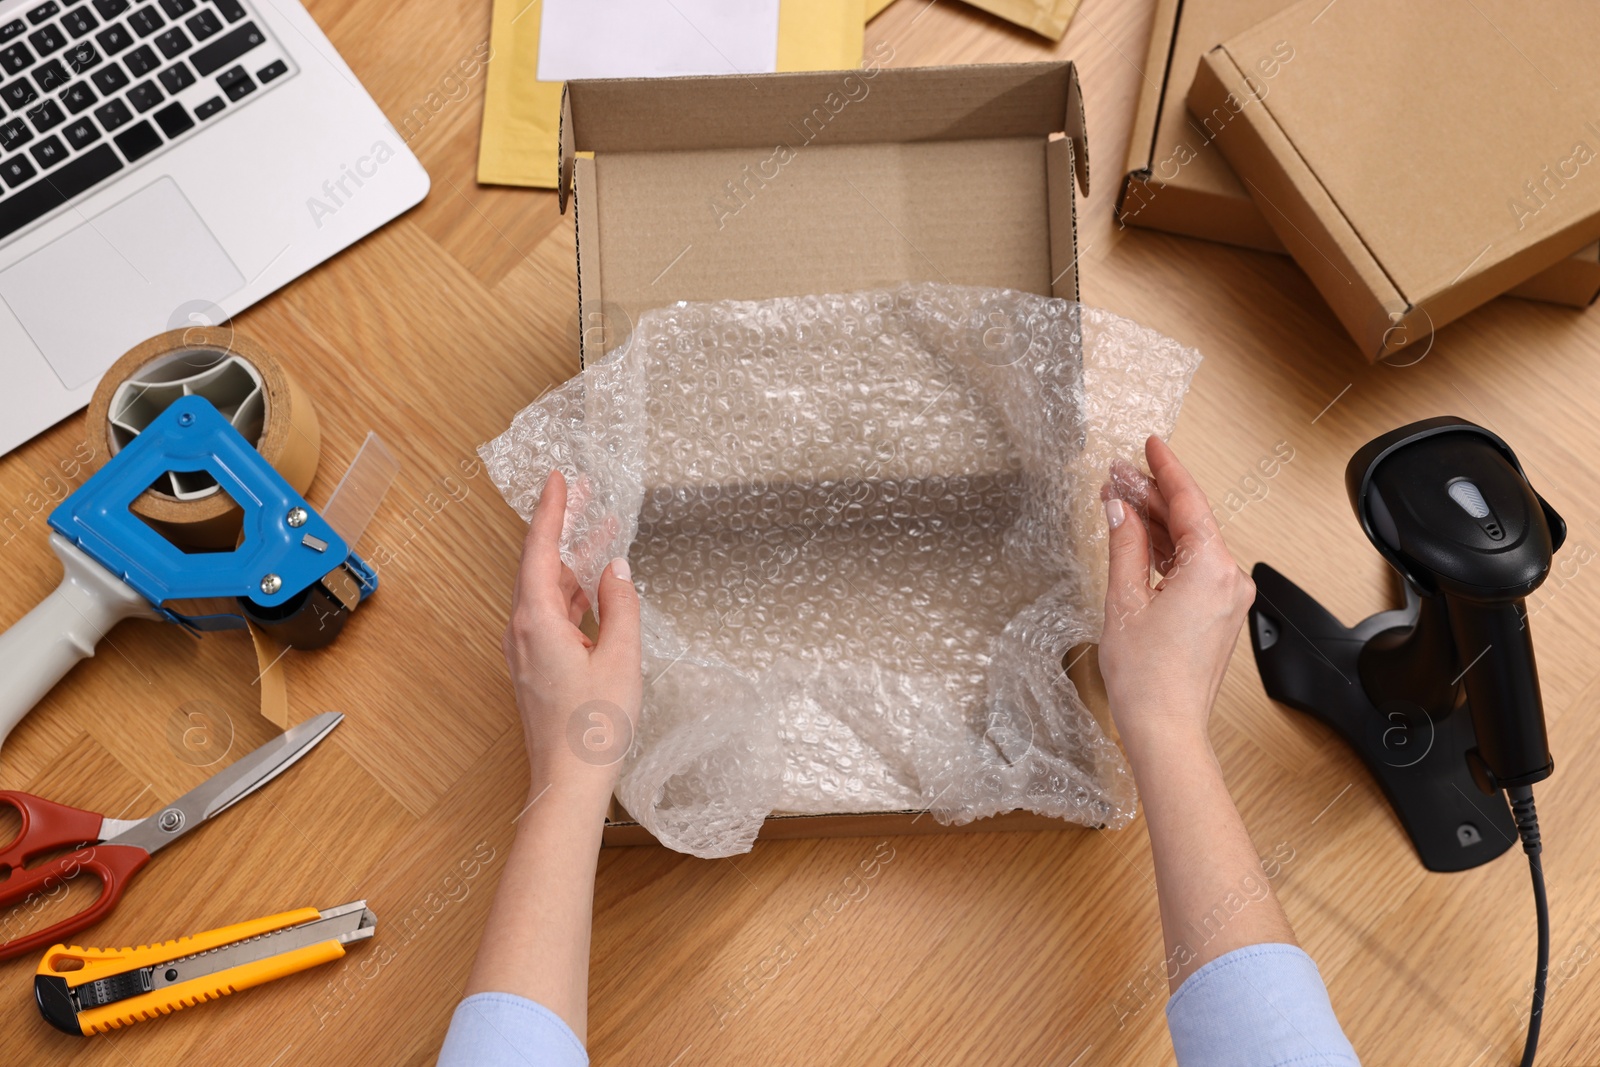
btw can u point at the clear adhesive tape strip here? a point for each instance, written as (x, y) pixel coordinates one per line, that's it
(250, 387)
(357, 496)
(349, 511)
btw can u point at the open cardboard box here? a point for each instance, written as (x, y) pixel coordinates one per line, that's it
(1177, 181)
(750, 187)
(1411, 157)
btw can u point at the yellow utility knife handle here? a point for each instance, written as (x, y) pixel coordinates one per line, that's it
(210, 987)
(79, 966)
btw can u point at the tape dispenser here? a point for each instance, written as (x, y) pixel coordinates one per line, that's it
(291, 573)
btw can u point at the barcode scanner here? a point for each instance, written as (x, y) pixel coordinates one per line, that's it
(1448, 505)
(1440, 698)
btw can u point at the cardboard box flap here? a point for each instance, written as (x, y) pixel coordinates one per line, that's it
(1077, 129)
(735, 188)
(567, 155)
(916, 104)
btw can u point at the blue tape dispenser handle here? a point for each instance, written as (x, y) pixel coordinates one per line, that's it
(290, 571)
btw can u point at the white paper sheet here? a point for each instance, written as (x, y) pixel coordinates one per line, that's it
(656, 38)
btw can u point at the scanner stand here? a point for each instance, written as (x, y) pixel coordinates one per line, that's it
(1390, 687)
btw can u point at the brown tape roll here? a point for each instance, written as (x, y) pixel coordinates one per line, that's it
(264, 404)
(246, 384)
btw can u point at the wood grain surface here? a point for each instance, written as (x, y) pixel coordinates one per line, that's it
(1028, 948)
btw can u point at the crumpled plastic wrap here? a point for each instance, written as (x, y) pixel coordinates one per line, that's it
(866, 531)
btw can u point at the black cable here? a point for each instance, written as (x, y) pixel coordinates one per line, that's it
(1527, 820)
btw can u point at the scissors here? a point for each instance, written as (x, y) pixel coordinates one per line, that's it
(113, 850)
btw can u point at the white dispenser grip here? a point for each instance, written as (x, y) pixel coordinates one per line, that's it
(46, 643)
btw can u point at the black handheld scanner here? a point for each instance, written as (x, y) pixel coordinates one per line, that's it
(1447, 504)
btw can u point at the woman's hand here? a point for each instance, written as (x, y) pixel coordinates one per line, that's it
(1163, 655)
(1165, 649)
(579, 701)
(579, 698)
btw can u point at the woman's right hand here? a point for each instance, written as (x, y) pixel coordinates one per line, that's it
(579, 698)
(1165, 648)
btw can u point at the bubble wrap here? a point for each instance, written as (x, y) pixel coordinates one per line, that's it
(866, 531)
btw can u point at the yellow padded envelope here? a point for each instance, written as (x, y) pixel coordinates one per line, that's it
(522, 115)
(1047, 17)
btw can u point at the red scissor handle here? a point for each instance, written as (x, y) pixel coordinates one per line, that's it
(46, 827)
(26, 891)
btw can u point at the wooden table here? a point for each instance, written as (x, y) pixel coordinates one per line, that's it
(1039, 948)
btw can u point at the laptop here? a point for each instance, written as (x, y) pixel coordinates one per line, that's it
(165, 163)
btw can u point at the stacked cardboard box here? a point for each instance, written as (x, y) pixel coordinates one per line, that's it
(1178, 179)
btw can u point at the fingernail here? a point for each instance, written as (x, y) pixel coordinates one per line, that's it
(620, 568)
(1114, 512)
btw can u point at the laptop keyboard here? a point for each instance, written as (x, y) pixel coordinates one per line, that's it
(90, 88)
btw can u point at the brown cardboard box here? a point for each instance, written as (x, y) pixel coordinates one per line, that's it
(1177, 181)
(1413, 158)
(782, 184)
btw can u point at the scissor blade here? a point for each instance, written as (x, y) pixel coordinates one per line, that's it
(229, 786)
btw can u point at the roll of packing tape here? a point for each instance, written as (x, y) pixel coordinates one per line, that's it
(245, 383)
(268, 408)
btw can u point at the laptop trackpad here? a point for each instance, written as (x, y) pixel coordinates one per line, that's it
(120, 277)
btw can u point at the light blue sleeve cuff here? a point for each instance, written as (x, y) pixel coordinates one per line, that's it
(502, 1030)
(1258, 1006)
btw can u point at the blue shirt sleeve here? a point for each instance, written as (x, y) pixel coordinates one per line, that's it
(503, 1030)
(1258, 1006)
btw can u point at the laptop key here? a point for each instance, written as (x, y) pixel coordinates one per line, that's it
(145, 96)
(112, 113)
(231, 10)
(17, 58)
(85, 172)
(141, 61)
(209, 108)
(11, 29)
(47, 39)
(81, 57)
(82, 132)
(172, 42)
(272, 70)
(109, 79)
(46, 116)
(110, 9)
(138, 141)
(50, 76)
(114, 38)
(18, 93)
(177, 8)
(15, 134)
(236, 83)
(79, 21)
(173, 119)
(15, 171)
(43, 11)
(176, 78)
(203, 23)
(146, 20)
(49, 152)
(78, 97)
(225, 49)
